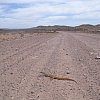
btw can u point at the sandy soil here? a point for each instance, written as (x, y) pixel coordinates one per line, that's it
(64, 54)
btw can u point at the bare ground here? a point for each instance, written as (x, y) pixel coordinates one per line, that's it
(63, 54)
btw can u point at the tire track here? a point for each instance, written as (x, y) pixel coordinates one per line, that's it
(20, 56)
(31, 62)
(29, 47)
(87, 67)
(25, 84)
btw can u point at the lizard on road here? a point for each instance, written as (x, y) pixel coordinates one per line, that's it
(55, 77)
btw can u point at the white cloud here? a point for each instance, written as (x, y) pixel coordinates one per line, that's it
(1, 10)
(13, 23)
(89, 15)
(57, 17)
(48, 12)
(32, 1)
(69, 7)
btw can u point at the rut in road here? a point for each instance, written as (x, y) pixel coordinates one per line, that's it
(20, 55)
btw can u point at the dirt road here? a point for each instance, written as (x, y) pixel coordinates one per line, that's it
(63, 54)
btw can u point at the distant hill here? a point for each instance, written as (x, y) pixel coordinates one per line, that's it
(89, 28)
(81, 28)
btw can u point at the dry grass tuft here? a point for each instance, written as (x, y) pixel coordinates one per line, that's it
(7, 37)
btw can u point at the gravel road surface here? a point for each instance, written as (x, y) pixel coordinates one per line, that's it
(63, 54)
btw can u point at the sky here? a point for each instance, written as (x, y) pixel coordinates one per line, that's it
(15, 14)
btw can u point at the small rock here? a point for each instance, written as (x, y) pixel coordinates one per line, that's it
(32, 92)
(98, 57)
(16, 49)
(11, 73)
(38, 96)
(68, 73)
(91, 53)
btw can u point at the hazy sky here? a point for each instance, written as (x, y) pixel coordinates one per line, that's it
(30, 13)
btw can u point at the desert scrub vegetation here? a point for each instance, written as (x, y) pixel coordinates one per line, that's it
(7, 37)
